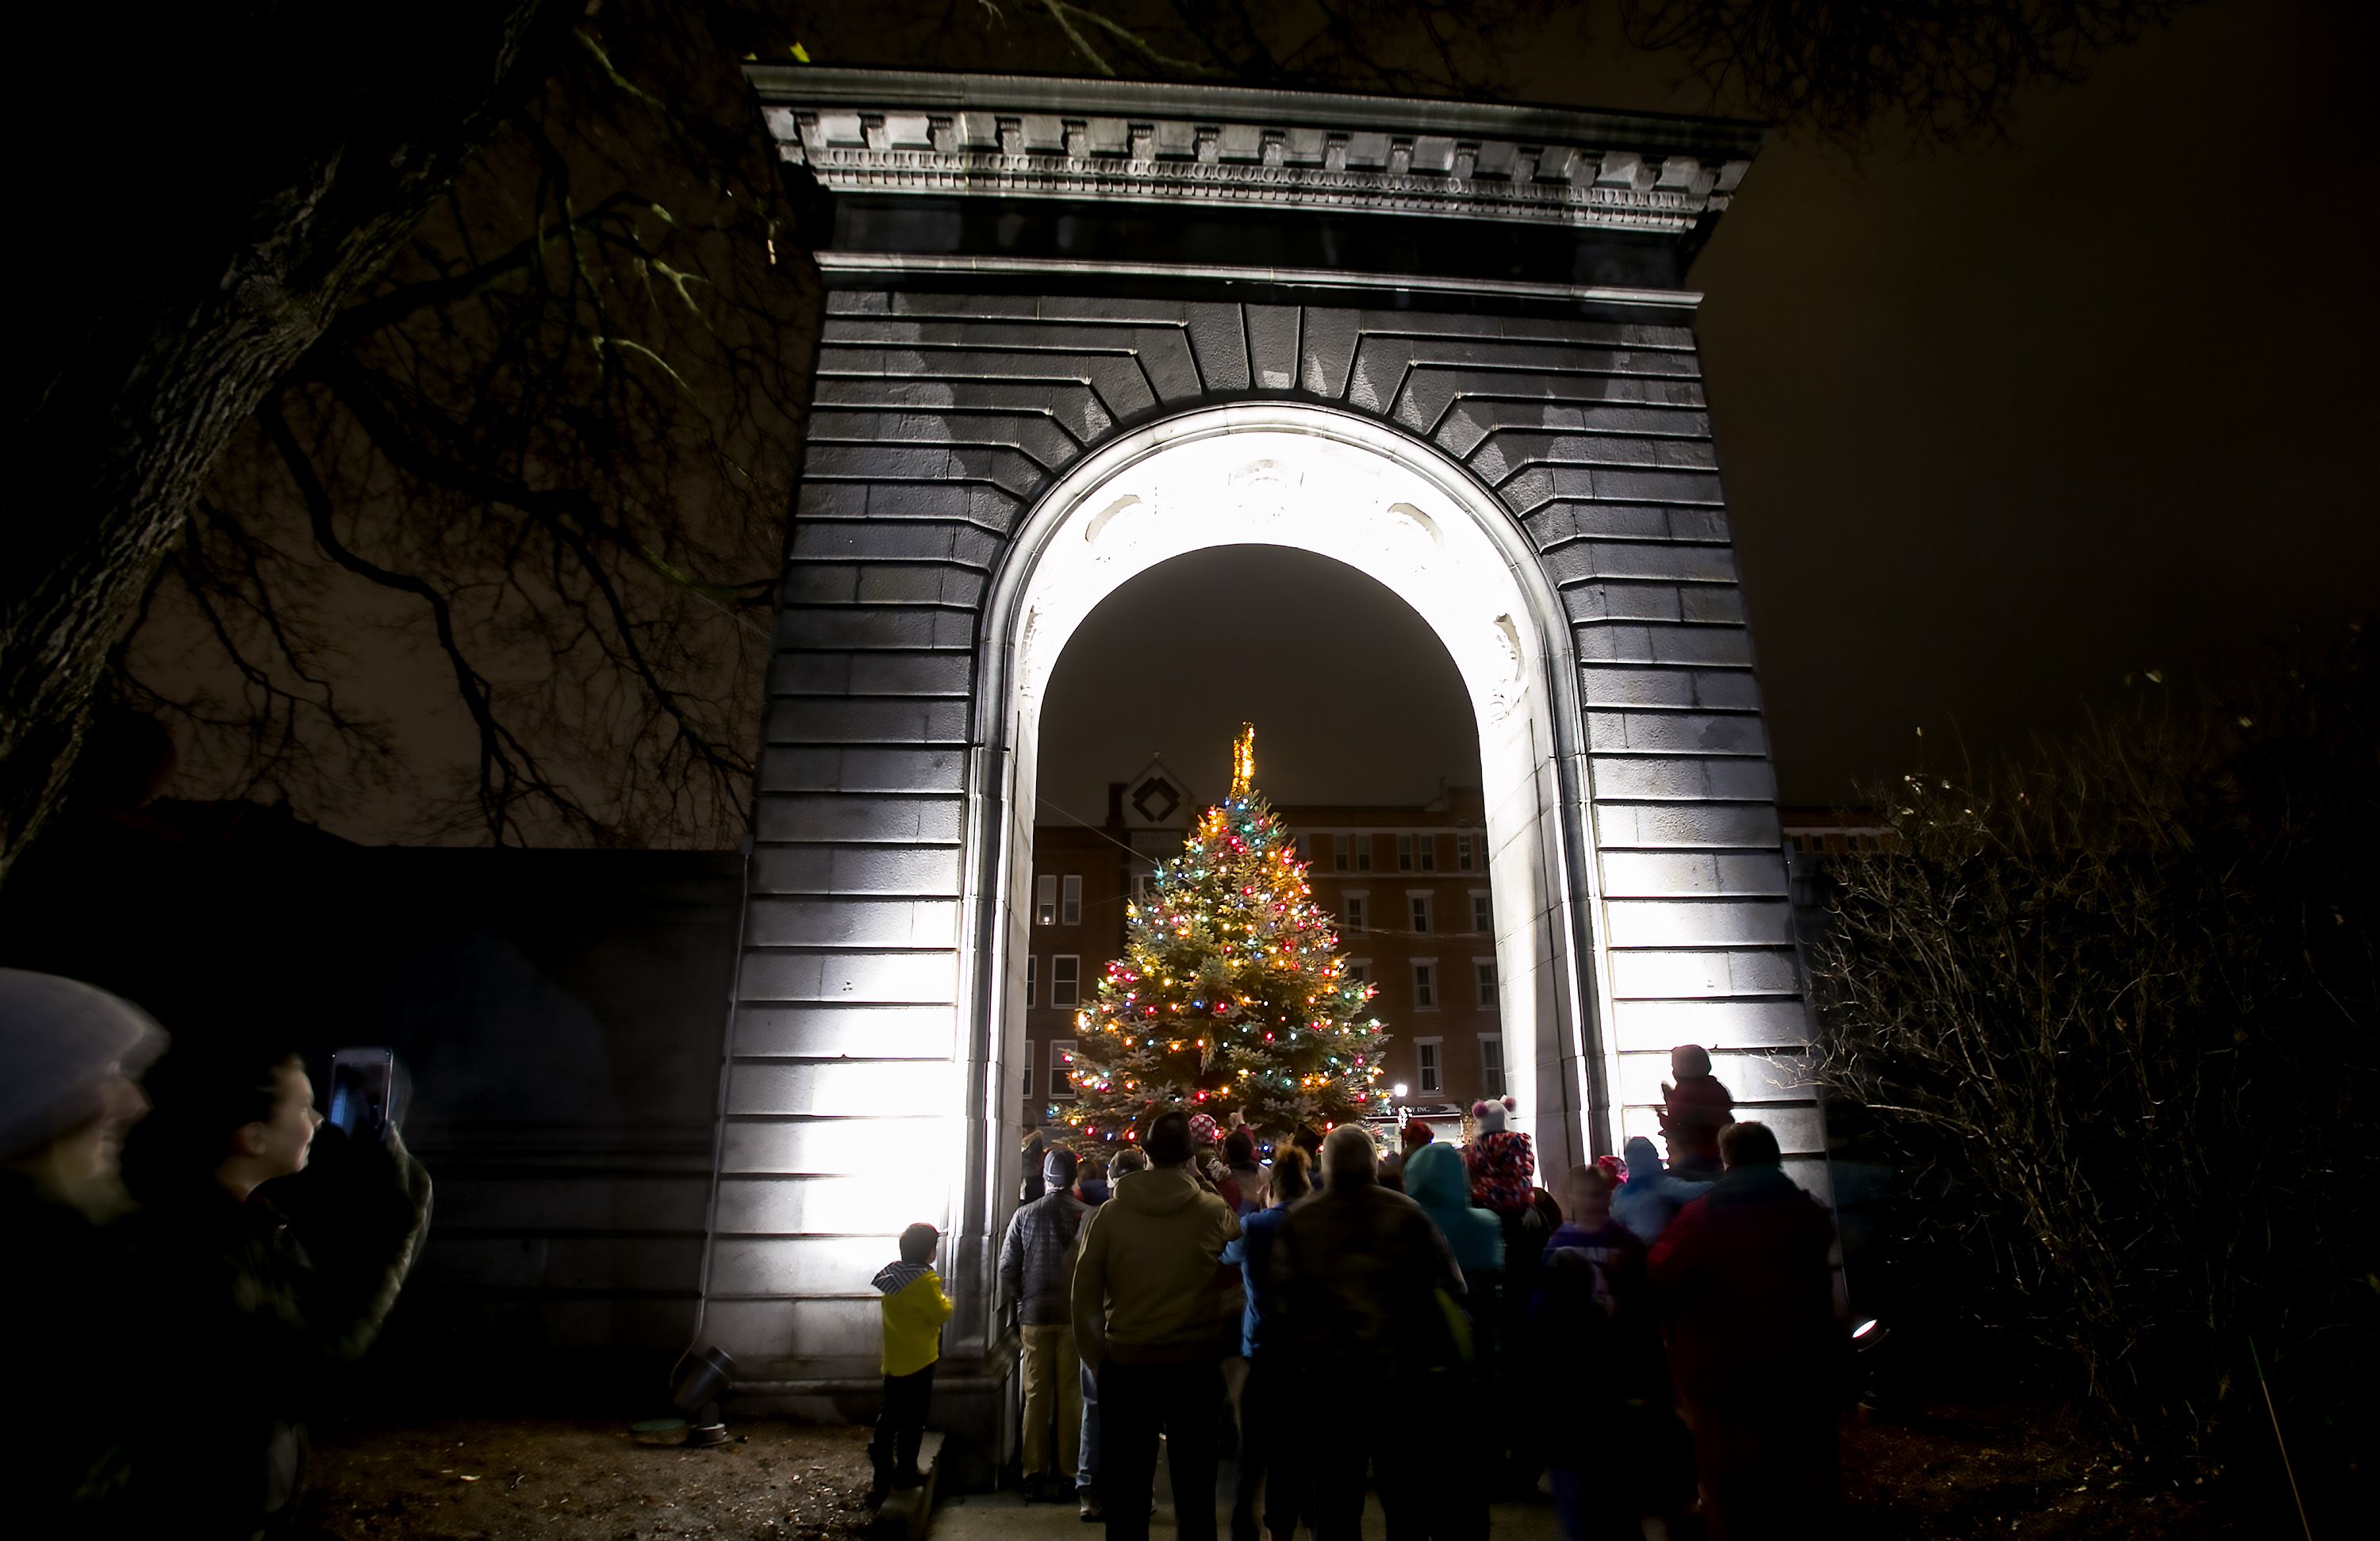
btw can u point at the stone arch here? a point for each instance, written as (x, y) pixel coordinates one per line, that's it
(1346, 485)
(951, 431)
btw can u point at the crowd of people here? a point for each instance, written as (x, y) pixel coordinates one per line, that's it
(192, 1256)
(1432, 1325)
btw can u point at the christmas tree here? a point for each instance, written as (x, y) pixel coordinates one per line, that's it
(1230, 995)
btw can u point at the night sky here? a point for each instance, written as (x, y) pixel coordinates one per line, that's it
(1998, 426)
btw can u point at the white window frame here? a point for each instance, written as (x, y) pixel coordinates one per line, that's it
(1426, 851)
(1429, 1066)
(1424, 983)
(1463, 859)
(1362, 851)
(1420, 914)
(1070, 899)
(1360, 970)
(1030, 1058)
(1061, 1089)
(1486, 988)
(1066, 974)
(1045, 899)
(1353, 907)
(1491, 1064)
(1404, 853)
(1483, 913)
(1032, 981)
(1342, 853)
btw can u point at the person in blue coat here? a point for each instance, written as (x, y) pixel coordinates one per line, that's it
(1271, 1471)
(1651, 1197)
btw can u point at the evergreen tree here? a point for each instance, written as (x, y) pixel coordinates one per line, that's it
(1231, 995)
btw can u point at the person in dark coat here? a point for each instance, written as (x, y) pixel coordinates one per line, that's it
(255, 1297)
(68, 1296)
(1273, 1465)
(1757, 1352)
(1694, 1107)
(1037, 1272)
(1358, 1269)
(1597, 1362)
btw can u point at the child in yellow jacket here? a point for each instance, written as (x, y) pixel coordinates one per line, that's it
(914, 1308)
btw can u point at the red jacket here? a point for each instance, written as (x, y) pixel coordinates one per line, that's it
(1742, 1280)
(1692, 1113)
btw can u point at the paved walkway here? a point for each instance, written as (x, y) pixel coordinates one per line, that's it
(1006, 1517)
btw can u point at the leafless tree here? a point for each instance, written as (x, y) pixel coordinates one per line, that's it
(481, 324)
(1942, 69)
(2120, 999)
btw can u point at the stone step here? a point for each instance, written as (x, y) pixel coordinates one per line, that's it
(907, 1514)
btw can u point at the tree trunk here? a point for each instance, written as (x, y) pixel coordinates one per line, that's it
(221, 197)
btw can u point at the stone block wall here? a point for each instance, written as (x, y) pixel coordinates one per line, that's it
(939, 418)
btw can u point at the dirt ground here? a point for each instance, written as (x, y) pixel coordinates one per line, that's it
(552, 1480)
(2027, 1473)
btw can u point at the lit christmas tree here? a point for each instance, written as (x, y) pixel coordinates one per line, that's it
(1230, 995)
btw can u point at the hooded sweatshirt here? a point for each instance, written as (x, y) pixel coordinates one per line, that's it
(1651, 1197)
(1145, 1283)
(914, 1309)
(1436, 1178)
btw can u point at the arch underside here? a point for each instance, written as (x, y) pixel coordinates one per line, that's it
(958, 443)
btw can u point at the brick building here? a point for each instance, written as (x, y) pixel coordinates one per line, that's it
(1409, 886)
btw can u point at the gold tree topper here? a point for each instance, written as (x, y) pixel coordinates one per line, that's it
(1243, 760)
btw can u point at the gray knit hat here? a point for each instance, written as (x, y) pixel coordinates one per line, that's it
(1059, 1167)
(59, 1039)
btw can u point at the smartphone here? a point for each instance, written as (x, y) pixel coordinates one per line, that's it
(368, 1091)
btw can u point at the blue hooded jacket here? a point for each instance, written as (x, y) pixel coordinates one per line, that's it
(1437, 1179)
(1651, 1197)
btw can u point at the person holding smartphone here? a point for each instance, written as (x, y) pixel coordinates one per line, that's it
(271, 1250)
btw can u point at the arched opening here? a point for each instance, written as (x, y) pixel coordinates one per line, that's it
(1362, 495)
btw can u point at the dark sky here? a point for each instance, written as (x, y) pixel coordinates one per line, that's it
(1354, 697)
(1998, 426)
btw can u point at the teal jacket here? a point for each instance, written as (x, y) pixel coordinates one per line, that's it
(1437, 1179)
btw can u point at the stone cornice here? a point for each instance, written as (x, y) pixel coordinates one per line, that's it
(888, 132)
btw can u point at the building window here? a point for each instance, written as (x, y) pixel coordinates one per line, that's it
(1360, 970)
(1463, 857)
(1028, 1071)
(1032, 980)
(1363, 853)
(1483, 981)
(1429, 1070)
(1419, 906)
(1070, 907)
(1141, 884)
(1483, 917)
(1491, 1064)
(1404, 854)
(1065, 981)
(1062, 1061)
(1045, 900)
(1426, 850)
(1351, 906)
(1338, 853)
(1425, 985)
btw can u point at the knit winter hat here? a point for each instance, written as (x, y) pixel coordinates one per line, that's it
(1489, 1115)
(59, 1040)
(1058, 1168)
(1203, 1129)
